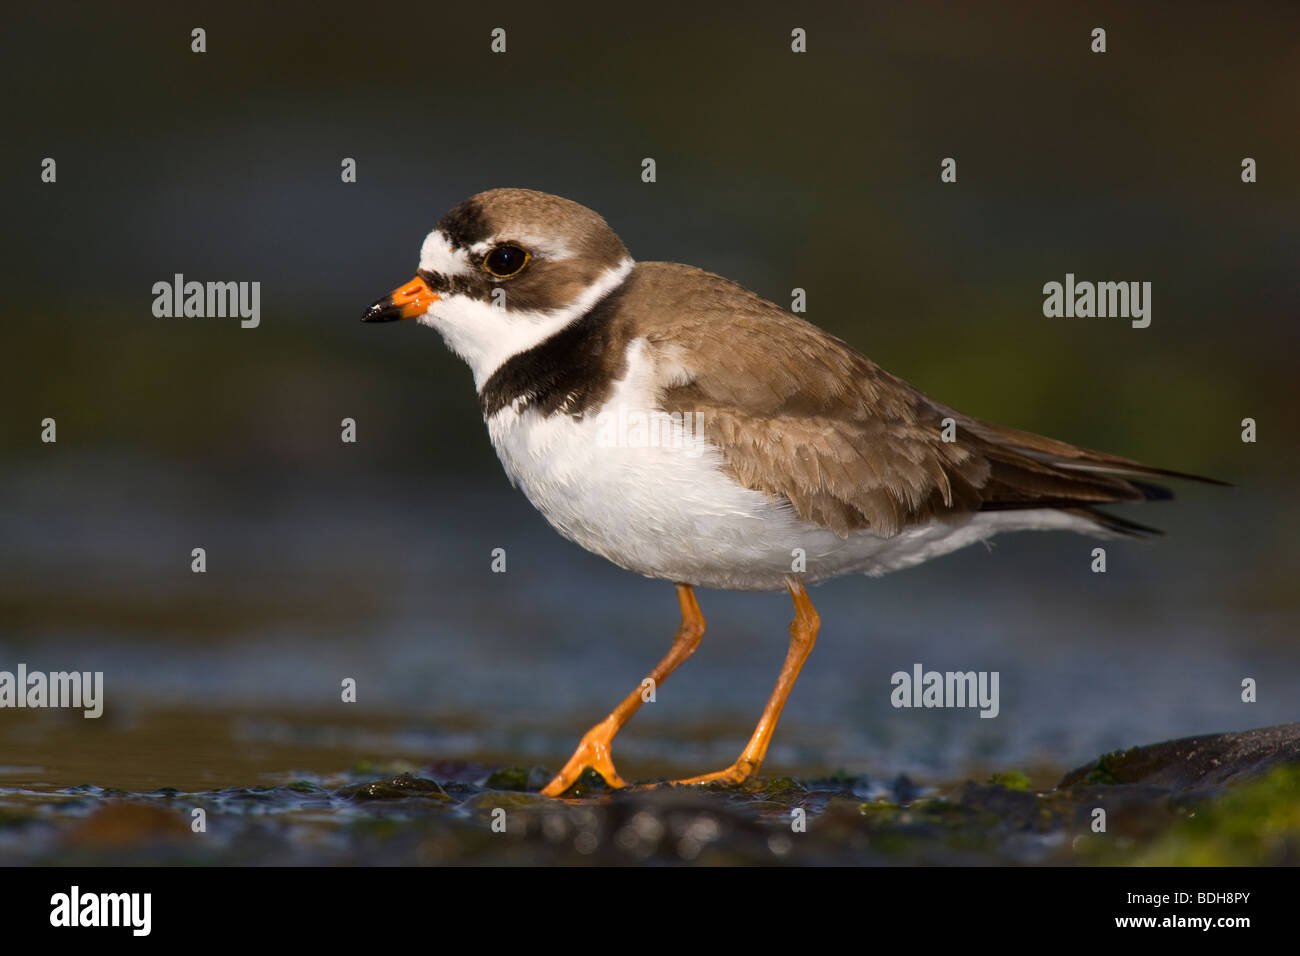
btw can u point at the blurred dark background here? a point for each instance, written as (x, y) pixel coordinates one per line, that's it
(819, 170)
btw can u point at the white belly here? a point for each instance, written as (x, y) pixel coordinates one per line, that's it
(664, 508)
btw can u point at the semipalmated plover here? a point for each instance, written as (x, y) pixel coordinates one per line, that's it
(686, 429)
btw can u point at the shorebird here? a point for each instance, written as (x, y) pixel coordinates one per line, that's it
(688, 430)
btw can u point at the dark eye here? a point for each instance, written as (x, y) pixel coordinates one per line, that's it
(505, 261)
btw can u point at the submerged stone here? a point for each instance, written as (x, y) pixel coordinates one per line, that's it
(393, 788)
(1196, 763)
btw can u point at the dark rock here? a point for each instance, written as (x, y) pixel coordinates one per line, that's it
(520, 778)
(395, 788)
(1195, 763)
(905, 789)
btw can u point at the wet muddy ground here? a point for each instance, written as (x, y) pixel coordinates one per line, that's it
(1224, 800)
(222, 692)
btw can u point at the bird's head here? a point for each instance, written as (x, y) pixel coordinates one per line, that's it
(505, 270)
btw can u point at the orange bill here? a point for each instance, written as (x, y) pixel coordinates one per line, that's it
(409, 302)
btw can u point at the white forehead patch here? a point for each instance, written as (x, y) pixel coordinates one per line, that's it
(437, 255)
(545, 246)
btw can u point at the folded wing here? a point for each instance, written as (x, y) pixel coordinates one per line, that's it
(798, 414)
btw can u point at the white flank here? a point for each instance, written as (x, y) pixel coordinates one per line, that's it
(670, 512)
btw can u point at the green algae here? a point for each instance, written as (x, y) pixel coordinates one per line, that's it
(1104, 772)
(1011, 779)
(1255, 823)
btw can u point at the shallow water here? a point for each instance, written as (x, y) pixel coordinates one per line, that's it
(222, 684)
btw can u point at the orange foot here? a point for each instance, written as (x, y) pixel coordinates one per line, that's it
(737, 773)
(593, 753)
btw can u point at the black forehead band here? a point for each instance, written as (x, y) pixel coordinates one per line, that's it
(465, 225)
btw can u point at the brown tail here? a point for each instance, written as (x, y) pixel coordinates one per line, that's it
(1031, 471)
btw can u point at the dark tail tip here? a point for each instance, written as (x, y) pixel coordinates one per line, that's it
(1118, 525)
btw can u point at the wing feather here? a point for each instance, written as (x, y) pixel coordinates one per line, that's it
(799, 415)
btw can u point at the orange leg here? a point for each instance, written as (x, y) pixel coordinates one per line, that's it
(803, 635)
(593, 750)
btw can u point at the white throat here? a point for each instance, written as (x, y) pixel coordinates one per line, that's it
(487, 336)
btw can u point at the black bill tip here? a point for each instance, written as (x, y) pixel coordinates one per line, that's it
(383, 310)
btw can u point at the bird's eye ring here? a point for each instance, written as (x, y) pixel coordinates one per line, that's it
(506, 260)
